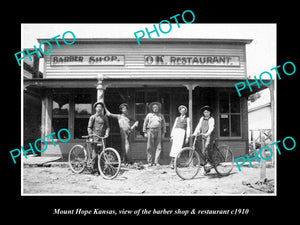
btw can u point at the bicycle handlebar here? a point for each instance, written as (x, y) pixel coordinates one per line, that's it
(88, 136)
(197, 135)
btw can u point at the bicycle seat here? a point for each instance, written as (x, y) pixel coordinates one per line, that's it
(99, 144)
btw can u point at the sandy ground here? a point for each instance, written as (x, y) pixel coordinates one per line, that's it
(161, 180)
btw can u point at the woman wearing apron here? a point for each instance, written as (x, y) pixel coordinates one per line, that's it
(179, 133)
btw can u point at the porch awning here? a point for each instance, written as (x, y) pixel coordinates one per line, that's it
(39, 84)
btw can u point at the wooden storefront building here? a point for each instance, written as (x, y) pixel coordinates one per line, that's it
(193, 72)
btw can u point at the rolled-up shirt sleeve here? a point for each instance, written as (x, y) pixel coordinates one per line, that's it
(106, 125)
(90, 125)
(174, 125)
(188, 127)
(146, 120)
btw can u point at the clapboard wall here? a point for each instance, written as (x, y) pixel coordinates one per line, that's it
(134, 54)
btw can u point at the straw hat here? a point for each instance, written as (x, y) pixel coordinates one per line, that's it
(123, 105)
(182, 106)
(97, 103)
(154, 103)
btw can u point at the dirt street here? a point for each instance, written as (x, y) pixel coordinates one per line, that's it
(147, 181)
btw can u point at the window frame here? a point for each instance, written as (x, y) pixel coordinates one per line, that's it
(80, 116)
(71, 116)
(53, 116)
(230, 92)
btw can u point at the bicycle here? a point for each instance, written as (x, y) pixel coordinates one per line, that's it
(187, 163)
(109, 161)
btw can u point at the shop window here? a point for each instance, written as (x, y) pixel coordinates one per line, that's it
(65, 108)
(60, 112)
(142, 101)
(229, 115)
(83, 111)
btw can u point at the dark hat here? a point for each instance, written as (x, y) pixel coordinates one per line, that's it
(155, 103)
(123, 105)
(208, 108)
(182, 106)
(97, 103)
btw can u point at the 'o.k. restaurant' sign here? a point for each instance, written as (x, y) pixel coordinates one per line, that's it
(195, 60)
(149, 60)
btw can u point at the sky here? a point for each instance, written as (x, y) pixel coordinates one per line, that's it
(260, 54)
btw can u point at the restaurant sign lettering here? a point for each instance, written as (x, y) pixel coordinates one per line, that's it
(84, 60)
(195, 60)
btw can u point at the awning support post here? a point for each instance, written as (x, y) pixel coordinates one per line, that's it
(190, 88)
(100, 88)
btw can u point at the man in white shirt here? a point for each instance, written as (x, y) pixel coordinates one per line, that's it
(127, 124)
(205, 126)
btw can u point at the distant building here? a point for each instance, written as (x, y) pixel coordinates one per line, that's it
(259, 117)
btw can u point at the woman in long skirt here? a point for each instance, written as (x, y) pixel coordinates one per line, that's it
(179, 133)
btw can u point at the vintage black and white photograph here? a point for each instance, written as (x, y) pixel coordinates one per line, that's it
(143, 109)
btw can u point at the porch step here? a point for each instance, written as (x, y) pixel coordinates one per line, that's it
(40, 160)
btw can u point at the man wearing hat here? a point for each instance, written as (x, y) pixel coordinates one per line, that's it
(126, 128)
(205, 126)
(98, 124)
(154, 128)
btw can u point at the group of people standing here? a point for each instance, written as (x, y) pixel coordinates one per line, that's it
(154, 128)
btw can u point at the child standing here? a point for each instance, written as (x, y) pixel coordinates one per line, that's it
(205, 126)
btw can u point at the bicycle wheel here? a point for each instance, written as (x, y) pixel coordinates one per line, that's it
(77, 158)
(109, 163)
(187, 163)
(223, 160)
